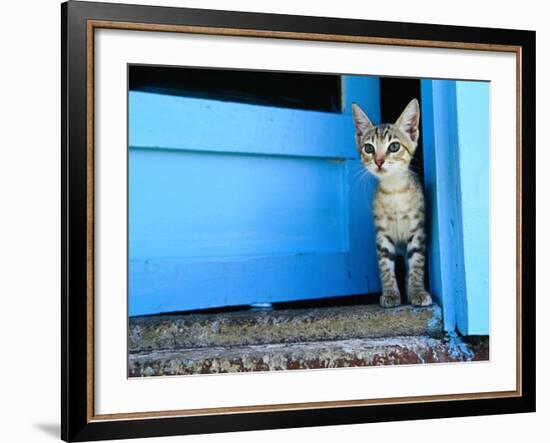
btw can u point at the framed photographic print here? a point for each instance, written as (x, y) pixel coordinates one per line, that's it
(279, 221)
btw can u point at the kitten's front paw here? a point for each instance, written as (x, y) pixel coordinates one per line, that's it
(421, 298)
(390, 299)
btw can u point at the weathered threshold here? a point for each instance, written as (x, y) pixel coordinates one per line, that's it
(246, 328)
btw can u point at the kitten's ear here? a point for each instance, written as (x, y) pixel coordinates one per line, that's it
(409, 120)
(361, 121)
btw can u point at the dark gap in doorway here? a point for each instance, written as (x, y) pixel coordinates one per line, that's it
(395, 94)
(318, 92)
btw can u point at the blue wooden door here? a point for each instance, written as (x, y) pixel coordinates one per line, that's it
(239, 204)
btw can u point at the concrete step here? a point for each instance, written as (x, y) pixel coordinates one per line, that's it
(246, 328)
(308, 355)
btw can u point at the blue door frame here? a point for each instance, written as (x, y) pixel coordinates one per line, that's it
(455, 131)
(237, 204)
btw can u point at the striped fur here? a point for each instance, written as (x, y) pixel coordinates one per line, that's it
(386, 151)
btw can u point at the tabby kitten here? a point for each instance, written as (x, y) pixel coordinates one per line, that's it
(386, 151)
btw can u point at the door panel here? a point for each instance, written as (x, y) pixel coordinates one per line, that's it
(165, 285)
(170, 122)
(196, 204)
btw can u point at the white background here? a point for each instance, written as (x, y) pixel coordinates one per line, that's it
(29, 221)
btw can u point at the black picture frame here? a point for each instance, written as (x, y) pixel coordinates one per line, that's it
(77, 424)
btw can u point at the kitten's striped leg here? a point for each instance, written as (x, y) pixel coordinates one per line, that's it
(385, 248)
(416, 260)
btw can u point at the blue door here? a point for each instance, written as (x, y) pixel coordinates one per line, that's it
(238, 204)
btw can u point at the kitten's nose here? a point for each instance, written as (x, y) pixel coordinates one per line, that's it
(379, 162)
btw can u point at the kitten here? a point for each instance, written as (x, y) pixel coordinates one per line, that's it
(386, 151)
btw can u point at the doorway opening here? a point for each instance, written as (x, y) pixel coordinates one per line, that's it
(395, 94)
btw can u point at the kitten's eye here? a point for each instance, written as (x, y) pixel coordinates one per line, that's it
(394, 147)
(368, 148)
